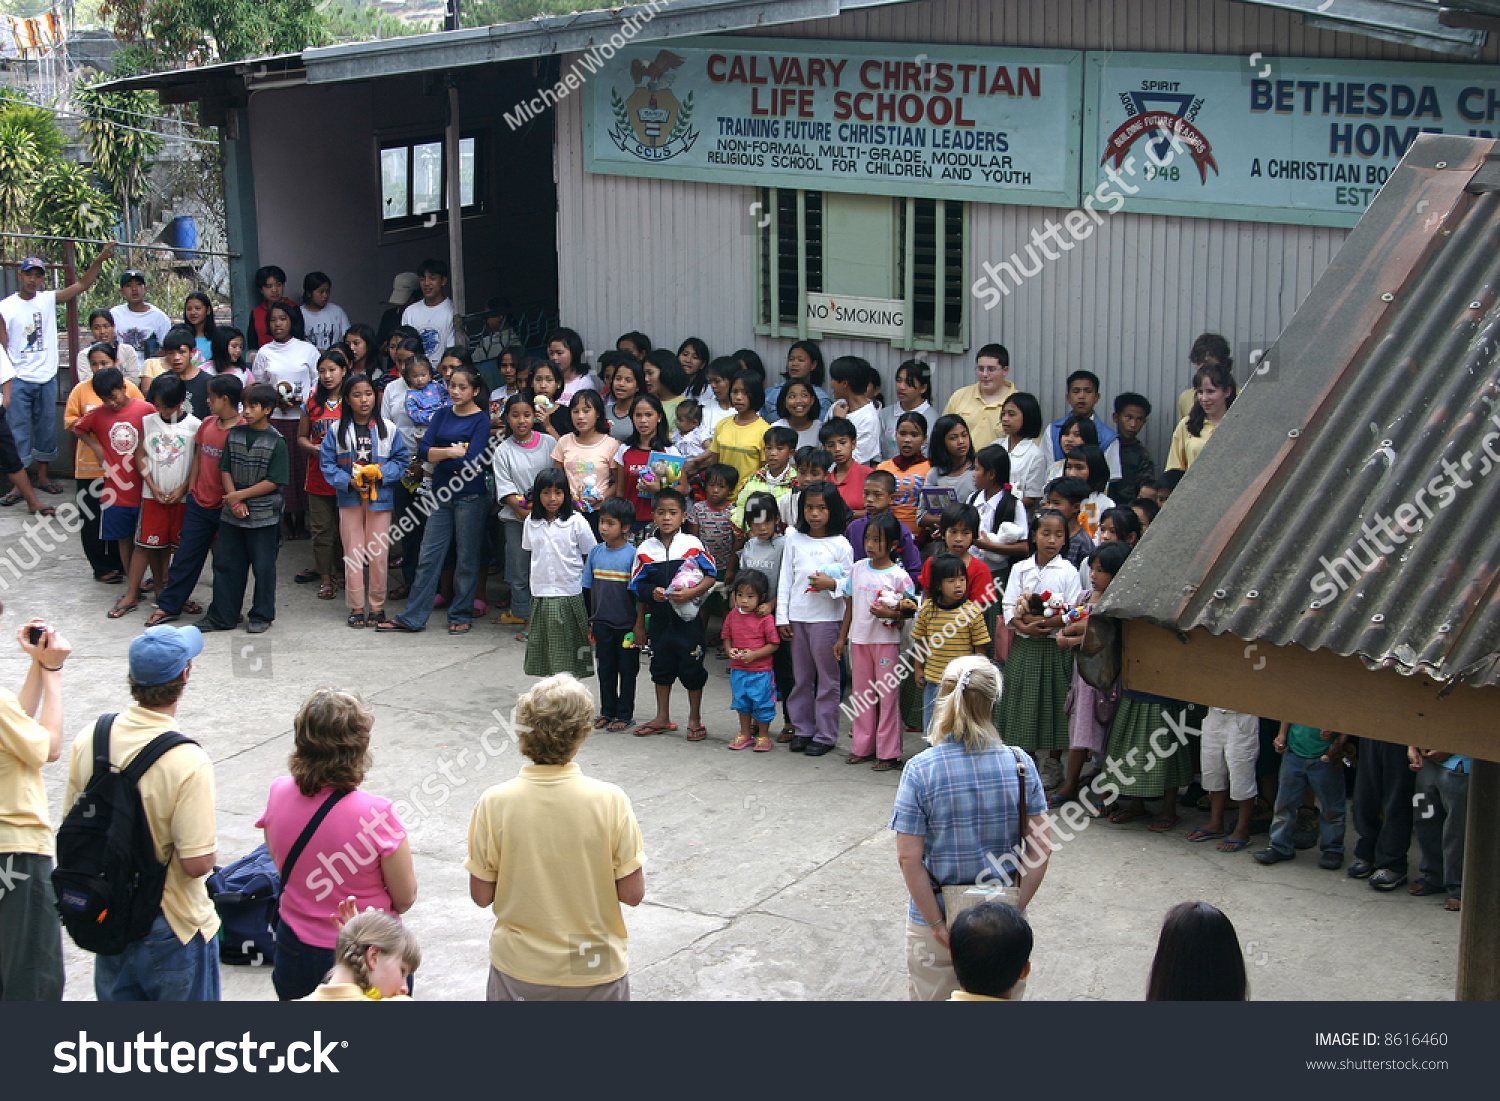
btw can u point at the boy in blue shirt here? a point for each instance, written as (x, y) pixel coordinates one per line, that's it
(606, 580)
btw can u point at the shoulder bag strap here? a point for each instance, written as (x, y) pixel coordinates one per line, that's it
(153, 753)
(308, 831)
(1021, 815)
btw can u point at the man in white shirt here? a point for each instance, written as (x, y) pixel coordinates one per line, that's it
(29, 320)
(432, 317)
(137, 322)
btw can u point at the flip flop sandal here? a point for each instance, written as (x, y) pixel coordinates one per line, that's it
(113, 577)
(1231, 846)
(885, 765)
(357, 620)
(394, 625)
(192, 607)
(618, 725)
(857, 760)
(460, 628)
(305, 576)
(327, 592)
(121, 610)
(786, 735)
(600, 723)
(11, 498)
(1162, 824)
(1204, 835)
(645, 730)
(159, 617)
(1121, 817)
(697, 733)
(48, 510)
(50, 487)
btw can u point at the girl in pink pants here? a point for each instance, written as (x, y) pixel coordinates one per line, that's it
(876, 588)
(362, 440)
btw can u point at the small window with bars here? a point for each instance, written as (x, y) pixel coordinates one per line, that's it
(923, 244)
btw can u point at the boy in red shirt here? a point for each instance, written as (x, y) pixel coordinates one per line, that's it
(200, 520)
(838, 436)
(956, 528)
(113, 431)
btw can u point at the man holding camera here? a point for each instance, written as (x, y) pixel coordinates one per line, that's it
(31, 730)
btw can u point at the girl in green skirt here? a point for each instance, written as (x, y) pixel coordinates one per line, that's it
(559, 539)
(1038, 672)
(1147, 759)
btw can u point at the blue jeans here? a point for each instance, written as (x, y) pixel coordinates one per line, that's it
(517, 570)
(1327, 783)
(32, 416)
(239, 552)
(199, 526)
(160, 968)
(929, 702)
(299, 968)
(461, 520)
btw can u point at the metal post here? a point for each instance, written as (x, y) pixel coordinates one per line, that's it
(455, 217)
(1479, 929)
(70, 315)
(239, 210)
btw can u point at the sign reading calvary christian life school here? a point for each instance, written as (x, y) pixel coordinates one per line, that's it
(1301, 141)
(971, 123)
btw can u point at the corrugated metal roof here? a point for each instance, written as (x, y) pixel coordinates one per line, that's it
(1349, 500)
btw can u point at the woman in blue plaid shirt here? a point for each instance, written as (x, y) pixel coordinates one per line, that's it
(963, 810)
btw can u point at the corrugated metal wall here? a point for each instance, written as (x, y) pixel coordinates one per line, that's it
(675, 259)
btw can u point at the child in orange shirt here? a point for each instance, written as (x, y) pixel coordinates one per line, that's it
(909, 467)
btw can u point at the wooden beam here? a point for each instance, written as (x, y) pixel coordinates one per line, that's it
(1317, 688)
(1479, 934)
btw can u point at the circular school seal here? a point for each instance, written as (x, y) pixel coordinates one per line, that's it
(652, 124)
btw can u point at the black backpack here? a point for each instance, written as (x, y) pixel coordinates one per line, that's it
(107, 880)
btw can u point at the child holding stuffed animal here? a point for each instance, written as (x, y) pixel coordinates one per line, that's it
(363, 458)
(672, 575)
(637, 478)
(880, 594)
(810, 613)
(1038, 674)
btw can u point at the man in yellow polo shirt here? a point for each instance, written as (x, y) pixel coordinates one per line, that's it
(31, 965)
(178, 960)
(979, 404)
(991, 949)
(556, 853)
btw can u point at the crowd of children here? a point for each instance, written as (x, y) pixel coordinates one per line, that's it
(816, 539)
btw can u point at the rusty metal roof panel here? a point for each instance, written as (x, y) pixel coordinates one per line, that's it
(1350, 500)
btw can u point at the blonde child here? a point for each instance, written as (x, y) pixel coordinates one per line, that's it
(872, 630)
(374, 958)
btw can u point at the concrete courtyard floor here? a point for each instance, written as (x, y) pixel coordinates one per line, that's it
(768, 876)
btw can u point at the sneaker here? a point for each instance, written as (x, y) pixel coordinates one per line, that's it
(207, 625)
(800, 744)
(258, 626)
(1273, 856)
(1332, 861)
(817, 749)
(763, 745)
(1387, 880)
(742, 741)
(1360, 869)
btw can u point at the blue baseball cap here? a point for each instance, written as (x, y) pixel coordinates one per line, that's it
(33, 262)
(160, 654)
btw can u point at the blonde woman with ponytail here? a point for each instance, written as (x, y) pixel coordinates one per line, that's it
(970, 810)
(375, 955)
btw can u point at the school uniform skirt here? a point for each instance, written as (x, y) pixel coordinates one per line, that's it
(294, 493)
(1032, 705)
(559, 639)
(1145, 758)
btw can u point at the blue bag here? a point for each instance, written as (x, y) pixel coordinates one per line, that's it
(245, 893)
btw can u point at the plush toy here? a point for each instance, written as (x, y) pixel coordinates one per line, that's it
(835, 570)
(544, 404)
(287, 391)
(366, 480)
(1008, 533)
(890, 598)
(1073, 615)
(689, 574)
(654, 477)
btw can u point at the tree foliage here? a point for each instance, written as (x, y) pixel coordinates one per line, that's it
(69, 205)
(484, 13)
(40, 190)
(198, 32)
(122, 155)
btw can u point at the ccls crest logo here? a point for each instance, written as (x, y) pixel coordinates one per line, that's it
(652, 124)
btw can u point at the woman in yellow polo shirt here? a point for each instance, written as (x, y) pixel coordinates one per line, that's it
(1216, 391)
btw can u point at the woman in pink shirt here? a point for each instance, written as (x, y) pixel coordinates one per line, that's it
(359, 849)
